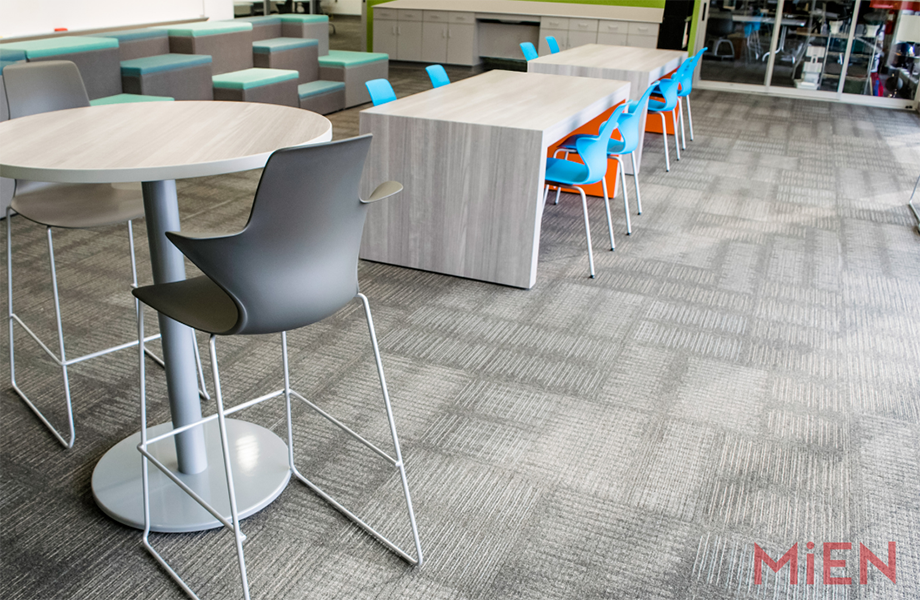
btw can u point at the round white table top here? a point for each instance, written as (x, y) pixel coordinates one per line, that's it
(152, 141)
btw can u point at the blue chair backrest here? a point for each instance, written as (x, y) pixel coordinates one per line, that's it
(667, 89)
(689, 67)
(381, 91)
(629, 132)
(553, 45)
(438, 75)
(639, 107)
(529, 51)
(593, 150)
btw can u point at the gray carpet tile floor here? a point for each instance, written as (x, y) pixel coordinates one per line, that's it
(743, 371)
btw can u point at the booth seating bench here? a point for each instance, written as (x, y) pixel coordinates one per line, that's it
(140, 43)
(354, 69)
(314, 27)
(297, 54)
(229, 43)
(322, 97)
(271, 86)
(179, 76)
(97, 59)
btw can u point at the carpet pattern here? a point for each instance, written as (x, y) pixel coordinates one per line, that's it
(742, 371)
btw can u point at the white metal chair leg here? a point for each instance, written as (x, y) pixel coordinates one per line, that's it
(607, 210)
(676, 140)
(632, 155)
(584, 206)
(622, 174)
(689, 118)
(664, 131)
(680, 119)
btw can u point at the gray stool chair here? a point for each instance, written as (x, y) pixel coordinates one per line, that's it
(38, 87)
(294, 264)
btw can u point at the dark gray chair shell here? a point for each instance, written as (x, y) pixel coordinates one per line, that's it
(294, 263)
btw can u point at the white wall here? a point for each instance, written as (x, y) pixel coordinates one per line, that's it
(19, 18)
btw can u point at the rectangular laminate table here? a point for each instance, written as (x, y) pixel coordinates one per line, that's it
(639, 66)
(472, 158)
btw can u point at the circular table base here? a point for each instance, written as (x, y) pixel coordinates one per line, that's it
(260, 473)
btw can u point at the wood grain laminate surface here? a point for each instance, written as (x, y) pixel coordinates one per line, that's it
(152, 141)
(509, 8)
(472, 158)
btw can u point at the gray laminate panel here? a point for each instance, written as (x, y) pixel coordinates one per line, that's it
(472, 157)
(537, 9)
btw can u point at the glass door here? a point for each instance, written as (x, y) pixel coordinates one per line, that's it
(738, 34)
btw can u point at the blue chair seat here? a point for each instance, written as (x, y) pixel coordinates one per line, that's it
(565, 172)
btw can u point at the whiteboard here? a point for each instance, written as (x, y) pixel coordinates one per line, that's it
(38, 17)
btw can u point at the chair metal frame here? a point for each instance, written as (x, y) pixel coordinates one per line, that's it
(232, 522)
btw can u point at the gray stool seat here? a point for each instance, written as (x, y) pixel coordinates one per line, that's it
(179, 76)
(293, 264)
(84, 206)
(271, 86)
(298, 54)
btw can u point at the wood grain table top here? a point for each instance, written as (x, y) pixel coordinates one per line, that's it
(152, 141)
(603, 56)
(510, 99)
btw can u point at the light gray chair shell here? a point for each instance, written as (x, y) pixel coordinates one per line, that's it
(34, 88)
(293, 264)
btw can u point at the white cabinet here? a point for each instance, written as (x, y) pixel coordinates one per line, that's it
(581, 32)
(398, 33)
(558, 27)
(462, 39)
(643, 35)
(434, 36)
(613, 33)
(385, 31)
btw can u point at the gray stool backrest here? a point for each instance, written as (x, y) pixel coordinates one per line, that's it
(38, 87)
(296, 260)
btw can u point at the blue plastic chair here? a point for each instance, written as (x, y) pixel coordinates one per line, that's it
(572, 175)
(529, 51)
(438, 75)
(630, 132)
(666, 89)
(381, 91)
(553, 44)
(686, 86)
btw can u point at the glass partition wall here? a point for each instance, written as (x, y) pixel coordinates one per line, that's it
(859, 51)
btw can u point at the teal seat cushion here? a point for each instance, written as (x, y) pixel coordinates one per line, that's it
(130, 35)
(10, 54)
(315, 88)
(252, 78)
(205, 28)
(128, 98)
(347, 58)
(304, 18)
(272, 20)
(61, 45)
(163, 62)
(281, 44)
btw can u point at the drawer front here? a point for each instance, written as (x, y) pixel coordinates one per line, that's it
(642, 41)
(385, 13)
(462, 17)
(410, 15)
(613, 27)
(554, 23)
(586, 25)
(643, 29)
(436, 16)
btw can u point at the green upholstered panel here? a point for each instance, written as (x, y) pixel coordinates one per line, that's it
(281, 44)
(303, 18)
(126, 98)
(62, 45)
(206, 28)
(252, 78)
(162, 62)
(313, 88)
(347, 58)
(134, 34)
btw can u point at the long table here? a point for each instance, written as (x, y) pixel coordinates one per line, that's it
(472, 158)
(639, 66)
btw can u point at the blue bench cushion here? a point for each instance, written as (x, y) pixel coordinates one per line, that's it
(205, 28)
(347, 58)
(315, 88)
(164, 62)
(127, 98)
(252, 78)
(304, 18)
(10, 54)
(129, 35)
(281, 44)
(61, 45)
(272, 20)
